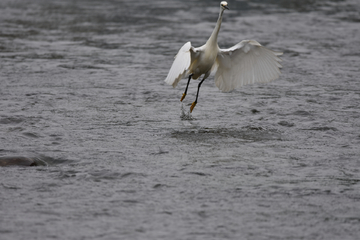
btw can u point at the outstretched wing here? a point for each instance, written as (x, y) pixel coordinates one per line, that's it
(180, 65)
(245, 63)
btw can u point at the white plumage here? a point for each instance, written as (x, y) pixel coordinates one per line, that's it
(245, 63)
(180, 66)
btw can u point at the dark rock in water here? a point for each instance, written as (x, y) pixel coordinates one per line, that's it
(286, 124)
(16, 161)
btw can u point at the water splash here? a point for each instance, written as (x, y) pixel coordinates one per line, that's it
(185, 116)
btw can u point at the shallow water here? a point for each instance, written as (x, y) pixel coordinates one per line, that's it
(120, 157)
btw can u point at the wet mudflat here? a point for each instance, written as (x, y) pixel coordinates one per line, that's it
(82, 94)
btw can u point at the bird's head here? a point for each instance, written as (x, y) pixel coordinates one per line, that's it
(224, 5)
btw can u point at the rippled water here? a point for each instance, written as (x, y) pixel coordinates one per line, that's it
(82, 93)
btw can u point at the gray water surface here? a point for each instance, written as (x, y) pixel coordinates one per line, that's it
(82, 93)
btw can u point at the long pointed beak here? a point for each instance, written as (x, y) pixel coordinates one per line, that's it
(227, 7)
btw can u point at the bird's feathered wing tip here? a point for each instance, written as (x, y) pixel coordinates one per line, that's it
(245, 63)
(180, 66)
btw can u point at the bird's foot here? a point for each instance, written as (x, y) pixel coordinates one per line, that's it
(183, 96)
(192, 106)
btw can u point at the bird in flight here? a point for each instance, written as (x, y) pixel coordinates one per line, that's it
(245, 63)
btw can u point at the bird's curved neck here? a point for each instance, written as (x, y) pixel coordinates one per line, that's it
(213, 38)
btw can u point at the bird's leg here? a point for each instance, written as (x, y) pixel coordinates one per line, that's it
(187, 85)
(197, 95)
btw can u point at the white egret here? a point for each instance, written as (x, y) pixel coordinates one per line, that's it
(246, 62)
